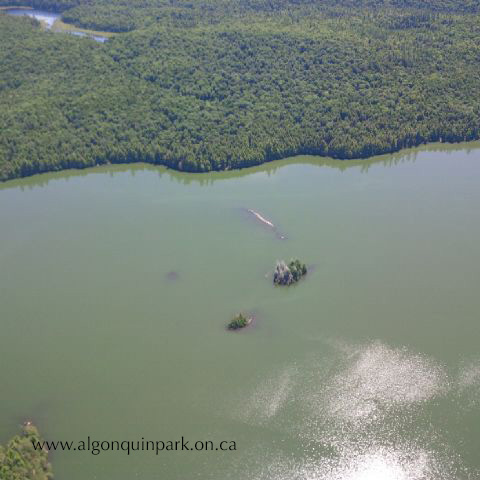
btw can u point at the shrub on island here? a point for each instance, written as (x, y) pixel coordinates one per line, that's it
(287, 274)
(239, 321)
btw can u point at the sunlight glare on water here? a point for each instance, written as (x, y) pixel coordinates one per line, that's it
(364, 403)
(376, 464)
(368, 369)
(382, 465)
(376, 468)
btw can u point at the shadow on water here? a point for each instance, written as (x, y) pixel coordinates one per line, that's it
(269, 168)
(172, 276)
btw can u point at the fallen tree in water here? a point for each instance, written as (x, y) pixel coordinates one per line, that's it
(258, 216)
(261, 218)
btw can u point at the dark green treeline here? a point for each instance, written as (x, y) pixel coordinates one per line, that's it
(212, 85)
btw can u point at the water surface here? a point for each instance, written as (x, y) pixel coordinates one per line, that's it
(49, 19)
(368, 369)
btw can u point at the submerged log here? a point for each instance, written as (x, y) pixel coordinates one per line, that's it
(265, 221)
(261, 218)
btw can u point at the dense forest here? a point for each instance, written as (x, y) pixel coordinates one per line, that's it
(218, 84)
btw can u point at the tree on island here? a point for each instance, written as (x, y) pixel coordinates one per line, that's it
(239, 321)
(287, 274)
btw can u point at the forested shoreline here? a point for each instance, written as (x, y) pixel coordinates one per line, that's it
(215, 84)
(19, 460)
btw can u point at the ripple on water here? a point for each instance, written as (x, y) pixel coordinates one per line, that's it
(469, 376)
(468, 383)
(357, 412)
(376, 378)
(377, 463)
(268, 397)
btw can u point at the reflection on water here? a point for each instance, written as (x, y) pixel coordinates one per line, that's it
(375, 464)
(48, 19)
(383, 464)
(88, 267)
(269, 168)
(468, 384)
(269, 397)
(378, 379)
(98, 38)
(359, 411)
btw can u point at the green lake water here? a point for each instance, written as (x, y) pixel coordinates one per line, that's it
(369, 369)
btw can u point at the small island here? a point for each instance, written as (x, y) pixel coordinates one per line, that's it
(287, 274)
(239, 321)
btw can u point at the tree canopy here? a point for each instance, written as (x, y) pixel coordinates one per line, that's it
(19, 460)
(218, 84)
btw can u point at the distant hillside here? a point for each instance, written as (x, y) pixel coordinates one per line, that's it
(211, 85)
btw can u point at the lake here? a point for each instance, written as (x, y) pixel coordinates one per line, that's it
(117, 282)
(49, 18)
